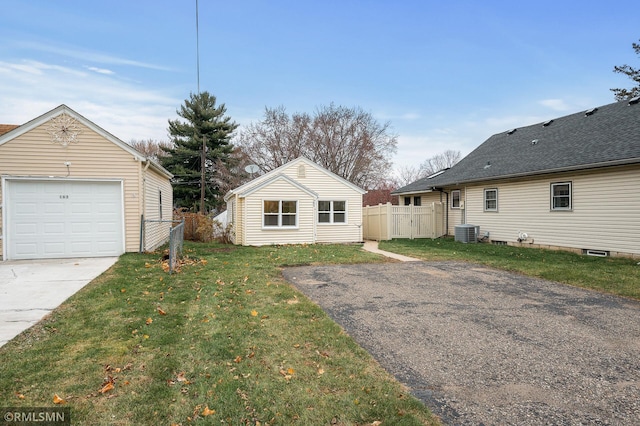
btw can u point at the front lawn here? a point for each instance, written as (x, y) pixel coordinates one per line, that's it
(224, 341)
(615, 275)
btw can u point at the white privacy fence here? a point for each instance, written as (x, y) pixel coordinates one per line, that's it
(386, 221)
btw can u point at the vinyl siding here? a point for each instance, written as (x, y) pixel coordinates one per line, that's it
(249, 230)
(93, 157)
(255, 235)
(156, 234)
(604, 214)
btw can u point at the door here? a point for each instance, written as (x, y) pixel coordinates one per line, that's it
(62, 219)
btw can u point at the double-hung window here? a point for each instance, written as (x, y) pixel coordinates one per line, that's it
(280, 214)
(561, 196)
(332, 212)
(491, 200)
(455, 199)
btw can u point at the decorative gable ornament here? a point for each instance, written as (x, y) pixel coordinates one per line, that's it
(64, 130)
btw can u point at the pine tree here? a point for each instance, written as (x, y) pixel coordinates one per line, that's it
(633, 74)
(201, 120)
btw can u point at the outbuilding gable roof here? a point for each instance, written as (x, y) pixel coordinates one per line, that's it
(604, 136)
(242, 189)
(63, 109)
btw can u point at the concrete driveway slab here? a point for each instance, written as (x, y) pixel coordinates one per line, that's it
(30, 289)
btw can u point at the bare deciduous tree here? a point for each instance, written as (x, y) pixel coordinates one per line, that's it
(151, 148)
(439, 162)
(347, 141)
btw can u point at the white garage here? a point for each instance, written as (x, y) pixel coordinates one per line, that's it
(56, 218)
(71, 189)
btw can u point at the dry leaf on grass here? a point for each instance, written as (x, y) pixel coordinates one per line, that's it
(58, 400)
(207, 412)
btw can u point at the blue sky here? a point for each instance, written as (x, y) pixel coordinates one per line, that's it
(445, 74)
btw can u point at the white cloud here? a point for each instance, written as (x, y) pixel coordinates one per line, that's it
(555, 104)
(101, 70)
(127, 110)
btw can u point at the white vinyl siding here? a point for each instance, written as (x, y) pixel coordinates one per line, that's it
(307, 187)
(605, 206)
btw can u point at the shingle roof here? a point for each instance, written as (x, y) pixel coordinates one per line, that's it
(6, 128)
(607, 135)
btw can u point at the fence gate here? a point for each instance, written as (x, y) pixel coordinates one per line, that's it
(385, 221)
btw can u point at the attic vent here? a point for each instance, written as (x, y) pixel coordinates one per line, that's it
(634, 101)
(590, 111)
(546, 123)
(302, 171)
(512, 131)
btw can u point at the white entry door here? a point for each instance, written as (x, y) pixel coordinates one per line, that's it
(61, 219)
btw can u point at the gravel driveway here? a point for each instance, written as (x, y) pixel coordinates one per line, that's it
(481, 346)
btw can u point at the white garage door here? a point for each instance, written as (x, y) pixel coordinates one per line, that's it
(57, 219)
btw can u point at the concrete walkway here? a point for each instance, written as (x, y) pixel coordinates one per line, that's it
(30, 289)
(372, 246)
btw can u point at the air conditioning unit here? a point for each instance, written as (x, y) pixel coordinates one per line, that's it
(466, 233)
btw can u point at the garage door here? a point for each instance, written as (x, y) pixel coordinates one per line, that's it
(57, 219)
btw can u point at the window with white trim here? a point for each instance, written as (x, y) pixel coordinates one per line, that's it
(561, 196)
(491, 200)
(279, 213)
(455, 199)
(332, 211)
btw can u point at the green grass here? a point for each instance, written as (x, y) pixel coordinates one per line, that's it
(225, 334)
(615, 275)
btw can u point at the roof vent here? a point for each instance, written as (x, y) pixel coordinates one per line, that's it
(534, 142)
(486, 166)
(590, 111)
(546, 123)
(634, 100)
(512, 131)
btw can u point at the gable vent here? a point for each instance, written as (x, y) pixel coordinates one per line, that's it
(512, 131)
(546, 123)
(590, 112)
(634, 101)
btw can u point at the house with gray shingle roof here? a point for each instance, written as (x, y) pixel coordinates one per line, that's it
(572, 183)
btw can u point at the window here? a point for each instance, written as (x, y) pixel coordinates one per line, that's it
(280, 213)
(407, 201)
(455, 199)
(160, 203)
(561, 196)
(417, 201)
(491, 200)
(332, 212)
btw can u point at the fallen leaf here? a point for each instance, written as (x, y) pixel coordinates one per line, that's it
(146, 336)
(207, 412)
(160, 311)
(19, 395)
(254, 313)
(320, 371)
(291, 371)
(180, 377)
(147, 265)
(149, 321)
(237, 359)
(107, 387)
(58, 400)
